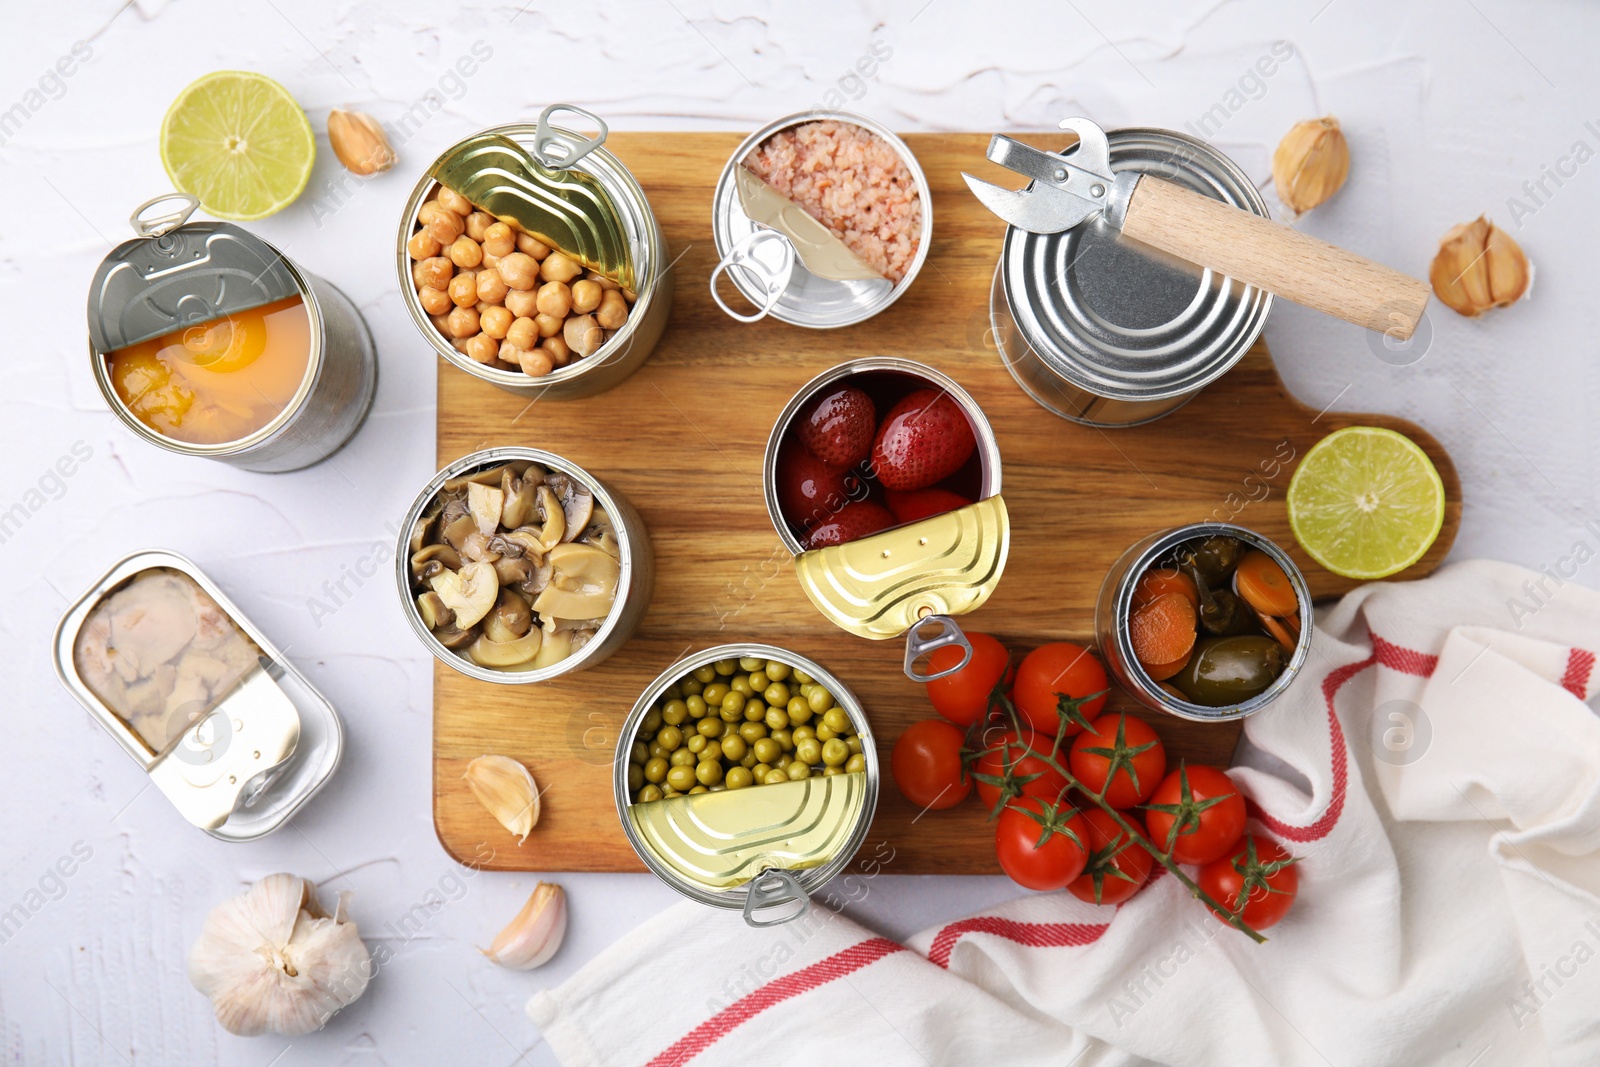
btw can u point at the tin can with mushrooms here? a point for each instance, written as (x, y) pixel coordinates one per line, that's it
(882, 476)
(784, 244)
(528, 257)
(1104, 330)
(226, 727)
(732, 840)
(206, 340)
(515, 566)
(1252, 616)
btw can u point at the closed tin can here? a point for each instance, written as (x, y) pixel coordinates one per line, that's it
(1105, 330)
(632, 343)
(767, 274)
(889, 584)
(1114, 607)
(178, 275)
(762, 848)
(635, 569)
(226, 727)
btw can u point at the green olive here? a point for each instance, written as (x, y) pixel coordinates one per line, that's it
(819, 699)
(808, 750)
(755, 711)
(767, 750)
(713, 751)
(857, 762)
(649, 793)
(776, 671)
(1214, 558)
(741, 684)
(799, 675)
(696, 743)
(838, 721)
(759, 680)
(726, 667)
(1229, 670)
(835, 752)
(639, 753)
(635, 777)
(777, 718)
(670, 737)
(655, 770)
(714, 693)
(681, 758)
(705, 675)
(681, 778)
(776, 693)
(708, 772)
(753, 731)
(734, 748)
(674, 712)
(775, 776)
(751, 663)
(709, 727)
(797, 770)
(784, 738)
(651, 722)
(737, 778)
(1224, 614)
(697, 706)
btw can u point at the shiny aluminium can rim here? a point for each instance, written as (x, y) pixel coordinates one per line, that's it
(810, 878)
(809, 301)
(1114, 606)
(634, 587)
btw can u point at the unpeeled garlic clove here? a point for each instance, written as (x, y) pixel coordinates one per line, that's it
(530, 939)
(1478, 267)
(505, 787)
(1311, 163)
(359, 142)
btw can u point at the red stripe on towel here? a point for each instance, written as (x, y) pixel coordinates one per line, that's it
(1580, 662)
(1034, 935)
(1404, 660)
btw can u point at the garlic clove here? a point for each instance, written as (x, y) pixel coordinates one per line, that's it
(1310, 163)
(1478, 267)
(359, 142)
(530, 939)
(506, 789)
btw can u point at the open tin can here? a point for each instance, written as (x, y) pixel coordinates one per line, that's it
(1115, 607)
(912, 578)
(1107, 331)
(212, 305)
(762, 263)
(763, 849)
(577, 512)
(222, 723)
(560, 175)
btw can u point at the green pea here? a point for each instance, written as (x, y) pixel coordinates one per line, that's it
(652, 721)
(736, 748)
(800, 733)
(753, 731)
(655, 770)
(783, 761)
(750, 663)
(696, 744)
(829, 772)
(705, 675)
(854, 741)
(657, 750)
(697, 706)
(775, 776)
(672, 692)
(759, 773)
(713, 751)
(741, 685)
(724, 715)
(639, 753)
(670, 737)
(728, 730)
(714, 693)
(674, 712)
(649, 793)
(726, 667)
(681, 778)
(708, 772)
(635, 777)
(755, 711)
(776, 693)
(819, 699)
(749, 760)
(777, 671)
(857, 762)
(799, 675)
(777, 718)
(835, 752)
(798, 769)
(691, 687)
(669, 793)
(759, 680)
(719, 787)
(738, 778)
(784, 738)
(709, 727)
(681, 758)
(808, 750)
(734, 701)
(698, 789)
(825, 732)
(798, 705)
(766, 749)
(837, 719)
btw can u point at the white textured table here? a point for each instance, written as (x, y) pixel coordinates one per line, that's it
(1451, 107)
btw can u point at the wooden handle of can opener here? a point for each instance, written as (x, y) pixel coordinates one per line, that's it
(1274, 257)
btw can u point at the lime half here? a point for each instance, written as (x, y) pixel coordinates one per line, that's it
(1366, 502)
(240, 143)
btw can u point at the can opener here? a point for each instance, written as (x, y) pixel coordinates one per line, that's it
(1078, 185)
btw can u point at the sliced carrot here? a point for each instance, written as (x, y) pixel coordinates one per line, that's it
(1172, 691)
(1159, 581)
(1275, 627)
(1264, 586)
(1161, 671)
(1163, 631)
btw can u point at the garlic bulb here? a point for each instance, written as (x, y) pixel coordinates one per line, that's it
(272, 961)
(1310, 164)
(535, 934)
(1478, 267)
(505, 787)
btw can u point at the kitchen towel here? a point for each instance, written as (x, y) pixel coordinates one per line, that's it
(1437, 771)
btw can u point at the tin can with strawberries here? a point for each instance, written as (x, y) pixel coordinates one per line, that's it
(882, 476)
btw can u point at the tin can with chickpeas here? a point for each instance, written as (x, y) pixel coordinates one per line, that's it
(529, 257)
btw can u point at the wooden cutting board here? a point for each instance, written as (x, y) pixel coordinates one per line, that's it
(683, 440)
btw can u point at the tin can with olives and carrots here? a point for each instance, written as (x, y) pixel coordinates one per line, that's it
(746, 777)
(516, 566)
(1209, 622)
(882, 477)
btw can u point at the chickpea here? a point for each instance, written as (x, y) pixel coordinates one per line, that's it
(434, 301)
(607, 285)
(530, 245)
(434, 271)
(510, 353)
(558, 268)
(446, 226)
(519, 271)
(523, 304)
(453, 200)
(491, 261)
(554, 299)
(439, 322)
(629, 295)
(583, 335)
(499, 239)
(477, 223)
(462, 322)
(460, 344)
(549, 325)
(613, 311)
(561, 355)
(492, 288)
(585, 296)
(523, 334)
(465, 252)
(430, 211)
(494, 320)
(464, 289)
(422, 245)
(537, 364)
(482, 348)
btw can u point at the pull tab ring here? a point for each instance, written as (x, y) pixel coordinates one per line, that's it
(918, 645)
(559, 149)
(766, 257)
(773, 888)
(161, 225)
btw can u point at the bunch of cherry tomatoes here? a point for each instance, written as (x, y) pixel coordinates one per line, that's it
(1082, 799)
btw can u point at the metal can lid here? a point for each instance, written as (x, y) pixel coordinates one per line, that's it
(1120, 319)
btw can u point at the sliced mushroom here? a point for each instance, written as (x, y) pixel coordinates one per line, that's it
(521, 502)
(455, 506)
(581, 638)
(554, 648)
(539, 580)
(601, 534)
(504, 654)
(553, 517)
(513, 570)
(529, 539)
(510, 619)
(484, 503)
(456, 530)
(454, 637)
(583, 585)
(469, 592)
(434, 613)
(486, 476)
(440, 556)
(419, 532)
(479, 548)
(576, 501)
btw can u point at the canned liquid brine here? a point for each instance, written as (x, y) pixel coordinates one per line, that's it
(223, 724)
(207, 341)
(1209, 622)
(516, 566)
(746, 777)
(528, 257)
(1104, 330)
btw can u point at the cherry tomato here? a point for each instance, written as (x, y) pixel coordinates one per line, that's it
(1055, 670)
(927, 765)
(1124, 750)
(1197, 812)
(1118, 865)
(1035, 865)
(963, 697)
(1011, 747)
(1258, 882)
